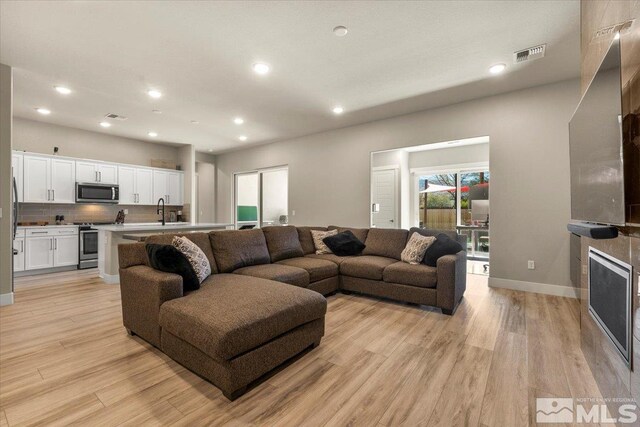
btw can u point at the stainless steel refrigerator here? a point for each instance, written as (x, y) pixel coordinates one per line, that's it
(14, 218)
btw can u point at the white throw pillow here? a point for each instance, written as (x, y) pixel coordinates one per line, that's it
(318, 236)
(416, 247)
(194, 255)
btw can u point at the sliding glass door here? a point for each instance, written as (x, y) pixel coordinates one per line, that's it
(261, 197)
(455, 199)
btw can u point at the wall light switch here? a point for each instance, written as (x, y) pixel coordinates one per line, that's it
(293, 213)
(126, 211)
(531, 265)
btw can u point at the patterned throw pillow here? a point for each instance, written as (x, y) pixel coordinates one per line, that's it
(194, 255)
(416, 247)
(318, 236)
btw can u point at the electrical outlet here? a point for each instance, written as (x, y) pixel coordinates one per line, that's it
(531, 265)
(126, 211)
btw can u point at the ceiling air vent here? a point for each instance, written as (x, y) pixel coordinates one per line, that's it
(529, 54)
(621, 27)
(114, 116)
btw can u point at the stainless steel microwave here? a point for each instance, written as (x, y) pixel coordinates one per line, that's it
(97, 193)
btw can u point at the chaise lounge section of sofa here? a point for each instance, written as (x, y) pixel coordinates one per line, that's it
(263, 303)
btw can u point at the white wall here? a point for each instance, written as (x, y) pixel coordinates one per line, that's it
(449, 156)
(206, 176)
(274, 194)
(40, 137)
(529, 154)
(6, 182)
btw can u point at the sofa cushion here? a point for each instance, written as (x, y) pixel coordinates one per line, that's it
(329, 257)
(261, 311)
(235, 249)
(194, 255)
(360, 233)
(318, 240)
(365, 266)
(278, 272)
(460, 238)
(200, 239)
(413, 252)
(306, 240)
(282, 242)
(344, 243)
(318, 269)
(443, 245)
(169, 259)
(411, 274)
(385, 242)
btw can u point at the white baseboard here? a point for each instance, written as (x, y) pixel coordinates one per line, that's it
(538, 288)
(110, 279)
(6, 299)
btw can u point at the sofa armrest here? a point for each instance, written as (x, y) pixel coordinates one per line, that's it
(452, 281)
(143, 290)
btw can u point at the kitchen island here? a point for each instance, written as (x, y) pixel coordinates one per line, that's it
(110, 236)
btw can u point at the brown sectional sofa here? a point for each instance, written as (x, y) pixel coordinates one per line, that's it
(258, 308)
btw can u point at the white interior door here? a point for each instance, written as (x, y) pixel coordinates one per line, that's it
(385, 196)
(274, 196)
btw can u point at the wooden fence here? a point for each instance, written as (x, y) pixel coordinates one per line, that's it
(441, 219)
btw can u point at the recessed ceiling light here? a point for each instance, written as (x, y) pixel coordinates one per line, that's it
(154, 93)
(340, 31)
(337, 109)
(238, 120)
(497, 69)
(62, 90)
(156, 111)
(43, 111)
(194, 122)
(210, 150)
(105, 124)
(152, 134)
(242, 138)
(261, 68)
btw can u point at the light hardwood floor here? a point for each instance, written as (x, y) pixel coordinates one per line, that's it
(65, 358)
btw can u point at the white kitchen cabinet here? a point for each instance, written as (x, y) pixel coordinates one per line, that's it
(136, 185)
(168, 185)
(63, 181)
(144, 186)
(36, 179)
(49, 180)
(96, 172)
(38, 252)
(18, 258)
(65, 250)
(17, 165)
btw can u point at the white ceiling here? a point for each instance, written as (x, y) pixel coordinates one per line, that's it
(398, 57)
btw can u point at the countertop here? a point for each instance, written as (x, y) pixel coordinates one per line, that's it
(21, 227)
(150, 227)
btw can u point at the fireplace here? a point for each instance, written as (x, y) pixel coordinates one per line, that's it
(609, 281)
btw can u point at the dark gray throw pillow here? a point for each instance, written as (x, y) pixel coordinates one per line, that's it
(344, 244)
(443, 245)
(169, 259)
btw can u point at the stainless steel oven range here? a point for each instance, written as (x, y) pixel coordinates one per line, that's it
(88, 246)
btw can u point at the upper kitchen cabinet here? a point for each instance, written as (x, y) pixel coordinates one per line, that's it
(136, 185)
(48, 180)
(168, 185)
(17, 166)
(96, 172)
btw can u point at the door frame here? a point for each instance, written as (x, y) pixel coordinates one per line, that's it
(234, 188)
(396, 185)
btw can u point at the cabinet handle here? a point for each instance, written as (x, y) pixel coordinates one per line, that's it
(53, 195)
(51, 244)
(48, 195)
(100, 176)
(39, 232)
(55, 244)
(22, 246)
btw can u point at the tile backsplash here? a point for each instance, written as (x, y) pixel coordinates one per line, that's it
(35, 212)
